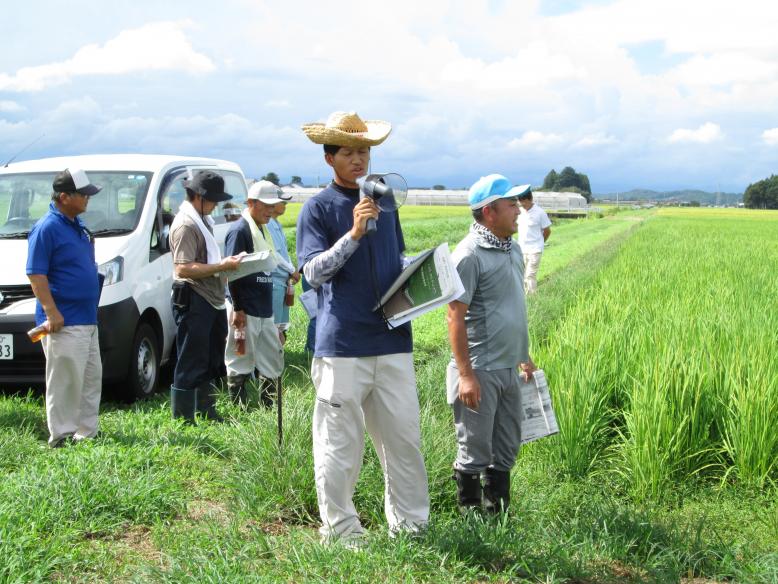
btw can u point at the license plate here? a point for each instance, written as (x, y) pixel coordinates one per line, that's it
(6, 346)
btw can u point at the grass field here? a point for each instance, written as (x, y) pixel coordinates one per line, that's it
(658, 335)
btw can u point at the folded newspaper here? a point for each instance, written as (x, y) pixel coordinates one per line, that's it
(537, 412)
(429, 281)
(251, 263)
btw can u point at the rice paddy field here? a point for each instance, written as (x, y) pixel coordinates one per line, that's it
(658, 332)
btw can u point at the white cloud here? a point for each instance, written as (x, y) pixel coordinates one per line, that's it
(770, 137)
(593, 140)
(535, 65)
(227, 134)
(705, 134)
(534, 140)
(10, 107)
(157, 46)
(724, 69)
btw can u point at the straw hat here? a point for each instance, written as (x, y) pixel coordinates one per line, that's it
(348, 129)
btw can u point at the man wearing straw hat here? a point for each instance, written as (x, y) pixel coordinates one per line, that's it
(487, 328)
(362, 370)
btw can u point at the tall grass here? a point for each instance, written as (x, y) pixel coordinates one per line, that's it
(667, 370)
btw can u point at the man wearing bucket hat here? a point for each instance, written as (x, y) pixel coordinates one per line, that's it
(198, 298)
(63, 274)
(362, 370)
(487, 328)
(251, 303)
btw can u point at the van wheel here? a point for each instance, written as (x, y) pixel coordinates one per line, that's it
(144, 362)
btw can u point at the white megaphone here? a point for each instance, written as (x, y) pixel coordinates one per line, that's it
(388, 191)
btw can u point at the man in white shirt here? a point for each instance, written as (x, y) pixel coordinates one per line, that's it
(534, 230)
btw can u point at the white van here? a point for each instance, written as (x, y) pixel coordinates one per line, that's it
(130, 219)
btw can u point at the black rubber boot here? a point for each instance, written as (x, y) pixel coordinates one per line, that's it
(497, 490)
(206, 403)
(468, 490)
(182, 404)
(237, 387)
(267, 392)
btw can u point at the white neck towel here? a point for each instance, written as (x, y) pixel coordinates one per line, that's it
(214, 255)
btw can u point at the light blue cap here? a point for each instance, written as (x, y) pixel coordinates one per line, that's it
(520, 191)
(488, 189)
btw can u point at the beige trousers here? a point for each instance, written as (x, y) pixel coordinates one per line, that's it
(74, 375)
(263, 348)
(377, 393)
(531, 267)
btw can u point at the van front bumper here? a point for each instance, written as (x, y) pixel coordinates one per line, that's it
(28, 366)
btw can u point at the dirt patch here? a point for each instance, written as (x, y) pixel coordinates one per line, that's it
(277, 527)
(622, 571)
(138, 539)
(202, 510)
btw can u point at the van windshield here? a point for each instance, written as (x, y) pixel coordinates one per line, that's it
(25, 198)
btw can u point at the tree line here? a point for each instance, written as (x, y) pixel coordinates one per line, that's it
(568, 181)
(762, 194)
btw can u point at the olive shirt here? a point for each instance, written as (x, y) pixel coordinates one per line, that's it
(496, 318)
(188, 246)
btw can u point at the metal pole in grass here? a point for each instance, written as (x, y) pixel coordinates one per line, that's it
(280, 411)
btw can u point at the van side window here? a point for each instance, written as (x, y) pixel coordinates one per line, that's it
(230, 210)
(170, 200)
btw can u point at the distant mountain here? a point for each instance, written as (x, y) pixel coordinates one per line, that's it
(689, 195)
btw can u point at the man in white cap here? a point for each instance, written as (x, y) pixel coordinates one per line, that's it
(251, 299)
(487, 328)
(362, 370)
(63, 274)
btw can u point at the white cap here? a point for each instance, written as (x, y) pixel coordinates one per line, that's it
(268, 193)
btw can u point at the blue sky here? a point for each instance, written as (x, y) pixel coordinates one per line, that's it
(637, 94)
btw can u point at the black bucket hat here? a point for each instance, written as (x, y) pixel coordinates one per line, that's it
(209, 185)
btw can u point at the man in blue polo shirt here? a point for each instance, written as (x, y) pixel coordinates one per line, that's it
(62, 270)
(362, 370)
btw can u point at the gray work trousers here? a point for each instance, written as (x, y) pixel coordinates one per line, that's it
(490, 435)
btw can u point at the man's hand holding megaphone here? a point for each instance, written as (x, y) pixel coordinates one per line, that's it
(365, 209)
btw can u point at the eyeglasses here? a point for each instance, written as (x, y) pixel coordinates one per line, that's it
(77, 194)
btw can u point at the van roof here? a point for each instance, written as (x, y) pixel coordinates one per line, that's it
(135, 162)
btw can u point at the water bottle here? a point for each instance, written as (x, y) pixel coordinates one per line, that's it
(40, 331)
(240, 341)
(289, 296)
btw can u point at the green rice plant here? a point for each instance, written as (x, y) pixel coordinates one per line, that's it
(750, 435)
(673, 366)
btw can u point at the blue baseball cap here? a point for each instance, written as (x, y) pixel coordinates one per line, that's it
(488, 189)
(520, 191)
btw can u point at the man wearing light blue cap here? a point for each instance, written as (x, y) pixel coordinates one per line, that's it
(487, 328)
